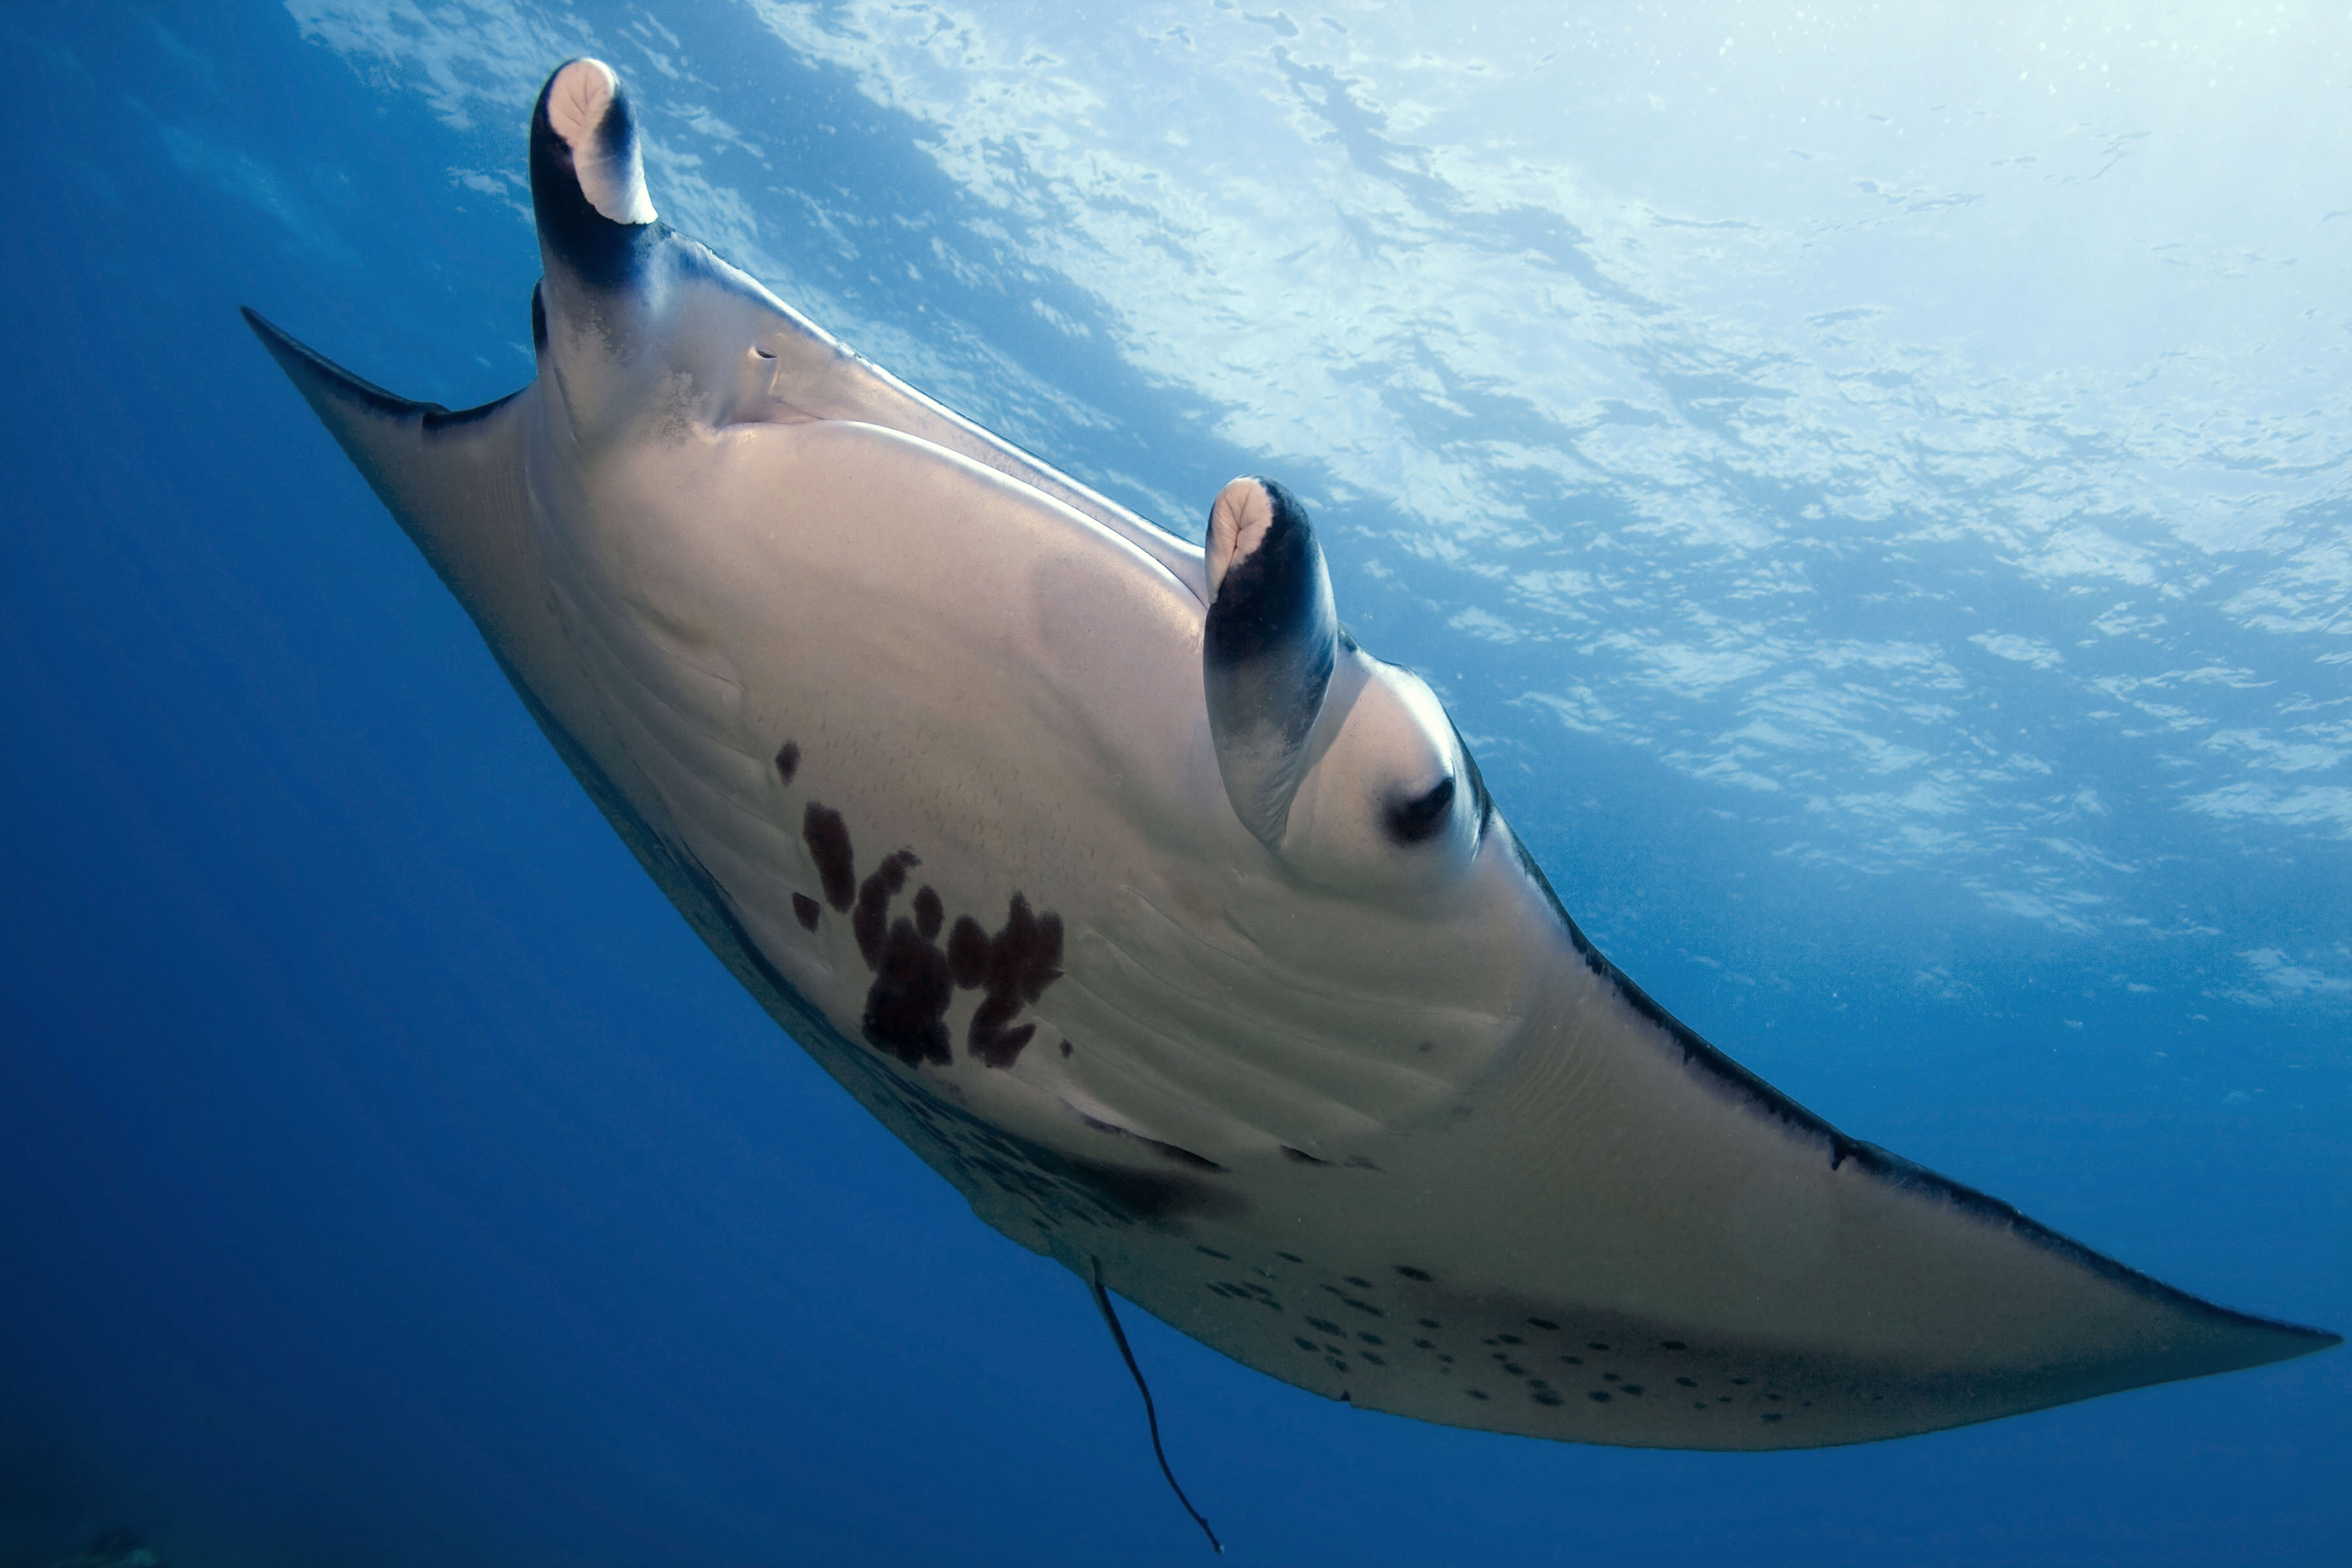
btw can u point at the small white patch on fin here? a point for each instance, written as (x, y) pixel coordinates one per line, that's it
(613, 180)
(1237, 525)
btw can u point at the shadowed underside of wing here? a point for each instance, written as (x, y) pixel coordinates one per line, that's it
(1628, 1240)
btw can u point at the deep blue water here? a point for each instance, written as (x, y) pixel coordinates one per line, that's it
(1875, 494)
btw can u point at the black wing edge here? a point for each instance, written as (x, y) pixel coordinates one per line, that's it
(1893, 1168)
(308, 368)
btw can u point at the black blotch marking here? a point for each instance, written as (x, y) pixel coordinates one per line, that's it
(1371, 1339)
(1598, 1397)
(1021, 961)
(1410, 1272)
(906, 1009)
(874, 896)
(1686, 1382)
(968, 951)
(788, 761)
(927, 913)
(1065, 1048)
(1609, 1377)
(1424, 1345)
(1771, 1415)
(1290, 1256)
(1431, 1323)
(1371, 1357)
(1547, 1397)
(1302, 1344)
(1573, 1360)
(1300, 1156)
(1327, 1325)
(1508, 1340)
(1473, 1394)
(1633, 1388)
(1595, 1345)
(805, 910)
(1738, 1383)
(828, 837)
(1722, 1399)
(1514, 1369)
(1672, 1345)
(1446, 1358)
(1545, 1323)
(1418, 820)
(1773, 1397)
(1700, 1406)
(1334, 1363)
(1363, 1307)
(1212, 1252)
(1358, 1284)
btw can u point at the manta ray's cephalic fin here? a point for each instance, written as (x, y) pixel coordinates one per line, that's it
(1267, 650)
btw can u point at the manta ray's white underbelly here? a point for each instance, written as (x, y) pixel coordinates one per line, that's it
(940, 741)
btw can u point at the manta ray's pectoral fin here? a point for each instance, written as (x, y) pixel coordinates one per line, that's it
(453, 479)
(1267, 650)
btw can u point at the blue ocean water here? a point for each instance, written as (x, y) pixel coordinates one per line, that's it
(1872, 488)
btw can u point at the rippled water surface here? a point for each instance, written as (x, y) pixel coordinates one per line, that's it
(1875, 487)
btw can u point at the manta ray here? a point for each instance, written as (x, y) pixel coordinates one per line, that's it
(1177, 931)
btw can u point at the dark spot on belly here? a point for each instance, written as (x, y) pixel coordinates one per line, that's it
(1686, 1382)
(1371, 1339)
(1772, 1416)
(968, 952)
(1302, 1344)
(1290, 1256)
(1672, 1345)
(874, 896)
(927, 913)
(1301, 1157)
(788, 761)
(1508, 1340)
(1326, 1324)
(1543, 1324)
(906, 1010)
(1022, 960)
(1212, 1252)
(1065, 1048)
(1598, 1397)
(1547, 1397)
(1473, 1394)
(806, 911)
(828, 837)
(1410, 1272)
